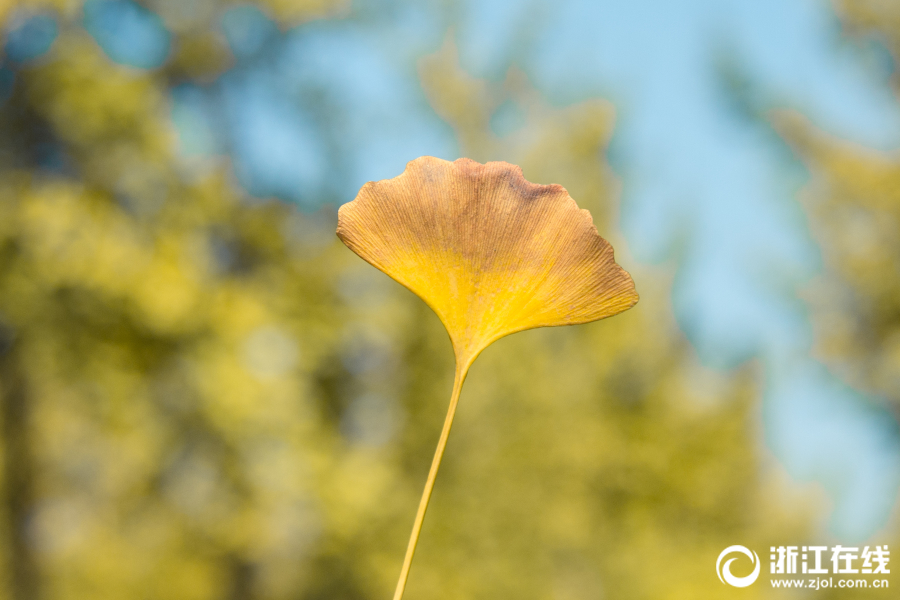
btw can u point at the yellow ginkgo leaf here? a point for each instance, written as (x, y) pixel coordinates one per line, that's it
(490, 253)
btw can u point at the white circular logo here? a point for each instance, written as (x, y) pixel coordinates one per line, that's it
(724, 571)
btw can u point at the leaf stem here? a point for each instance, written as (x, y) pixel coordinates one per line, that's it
(461, 371)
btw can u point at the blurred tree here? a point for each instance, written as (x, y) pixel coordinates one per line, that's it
(854, 205)
(855, 211)
(872, 16)
(207, 396)
(855, 208)
(152, 371)
(853, 200)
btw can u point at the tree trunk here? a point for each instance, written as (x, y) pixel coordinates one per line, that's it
(18, 464)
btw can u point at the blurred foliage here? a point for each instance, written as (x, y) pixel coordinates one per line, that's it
(854, 204)
(205, 395)
(881, 17)
(855, 208)
(853, 200)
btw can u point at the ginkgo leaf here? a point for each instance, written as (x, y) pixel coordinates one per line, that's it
(491, 254)
(488, 251)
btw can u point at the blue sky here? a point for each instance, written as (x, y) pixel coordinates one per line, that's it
(312, 113)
